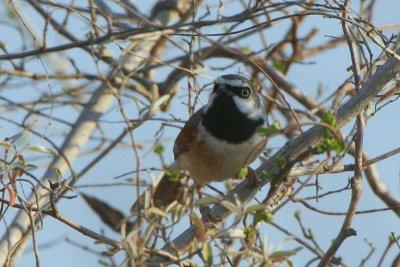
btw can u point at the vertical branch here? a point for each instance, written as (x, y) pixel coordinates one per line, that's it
(356, 181)
(34, 242)
(245, 190)
(98, 104)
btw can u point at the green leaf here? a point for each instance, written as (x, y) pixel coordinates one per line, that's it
(268, 131)
(250, 231)
(102, 262)
(254, 208)
(173, 176)
(3, 46)
(297, 215)
(329, 141)
(328, 144)
(285, 253)
(266, 175)
(392, 238)
(246, 49)
(281, 162)
(206, 201)
(159, 149)
(207, 254)
(243, 172)
(329, 118)
(280, 65)
(263, 216)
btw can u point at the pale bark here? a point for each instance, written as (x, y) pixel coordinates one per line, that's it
(245, 191)
(98, 104)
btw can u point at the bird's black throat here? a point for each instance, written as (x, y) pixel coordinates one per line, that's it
(225, 121)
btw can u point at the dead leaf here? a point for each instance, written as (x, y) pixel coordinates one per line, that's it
(11, 192)
(389, 93)
(201, 229)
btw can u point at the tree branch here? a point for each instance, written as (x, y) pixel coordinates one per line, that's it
(98, 104)
(245, 191)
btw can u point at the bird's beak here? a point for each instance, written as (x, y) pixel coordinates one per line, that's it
(220, 89)
(216, 89)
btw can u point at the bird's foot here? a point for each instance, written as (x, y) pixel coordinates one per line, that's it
(208, 217)
(254, 178)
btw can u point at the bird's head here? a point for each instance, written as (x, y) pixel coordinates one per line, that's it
(239, 89)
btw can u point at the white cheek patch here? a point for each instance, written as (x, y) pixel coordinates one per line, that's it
(247, 107)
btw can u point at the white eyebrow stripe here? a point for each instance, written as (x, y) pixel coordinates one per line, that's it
(233, 83)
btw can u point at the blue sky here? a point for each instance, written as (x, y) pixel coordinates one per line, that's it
(327, 70)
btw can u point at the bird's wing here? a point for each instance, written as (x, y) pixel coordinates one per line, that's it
(256, 151)
(188, 135)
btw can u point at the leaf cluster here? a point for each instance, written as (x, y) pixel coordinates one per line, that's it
(330, 141)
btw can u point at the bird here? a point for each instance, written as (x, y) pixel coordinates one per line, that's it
(218, 140)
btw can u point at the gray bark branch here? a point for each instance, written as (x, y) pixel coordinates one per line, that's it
(246, 191)
(98, 104)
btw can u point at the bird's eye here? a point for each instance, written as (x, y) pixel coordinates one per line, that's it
(245, 92)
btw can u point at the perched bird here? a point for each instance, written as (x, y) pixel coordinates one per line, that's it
(218, 140)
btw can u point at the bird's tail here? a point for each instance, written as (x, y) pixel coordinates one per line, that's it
(167, 189)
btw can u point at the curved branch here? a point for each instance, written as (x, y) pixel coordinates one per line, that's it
(245, 191)
(98, 104)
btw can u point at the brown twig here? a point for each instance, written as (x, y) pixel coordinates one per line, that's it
(356, 181)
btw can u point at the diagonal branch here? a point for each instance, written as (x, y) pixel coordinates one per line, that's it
(356, 181)
(98, 104)
(245, 191)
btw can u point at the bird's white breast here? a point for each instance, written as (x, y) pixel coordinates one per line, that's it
(217, 160)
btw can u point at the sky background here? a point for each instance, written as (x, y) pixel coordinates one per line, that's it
(327, 70)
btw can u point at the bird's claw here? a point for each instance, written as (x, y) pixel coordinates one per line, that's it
(254, 178)
(207, 215)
